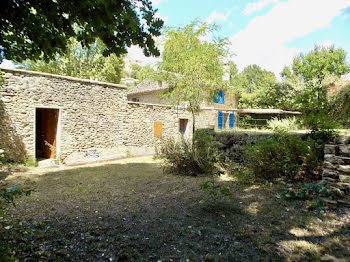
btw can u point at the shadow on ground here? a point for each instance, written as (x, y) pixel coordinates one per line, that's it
(134, 212)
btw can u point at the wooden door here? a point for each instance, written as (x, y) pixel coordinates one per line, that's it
(46, 132)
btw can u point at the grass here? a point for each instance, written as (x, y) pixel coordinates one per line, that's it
(128, 210)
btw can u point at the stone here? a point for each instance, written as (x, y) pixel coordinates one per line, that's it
(343, 202)
(329, 165)
(336, 191)
(344, 150)
(344, 178)
(343, 186)
(331, 149)
(330, 201)
(330, 173)
(344, 168)
(343, 140)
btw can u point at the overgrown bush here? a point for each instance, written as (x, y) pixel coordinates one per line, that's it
(282, 125)
(284, 155)
(191, 158)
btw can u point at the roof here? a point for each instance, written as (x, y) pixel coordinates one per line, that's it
(148, 86)
(69, 78)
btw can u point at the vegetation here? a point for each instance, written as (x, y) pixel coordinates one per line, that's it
(192, 67)
(183, 158)
(251, 85)
(129, 210)
(84, 62)
(36, 29)
(285, 156)
(284, 125)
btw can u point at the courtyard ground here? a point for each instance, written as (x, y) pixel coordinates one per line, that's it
(128, 210)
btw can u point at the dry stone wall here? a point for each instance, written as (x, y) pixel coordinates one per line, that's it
(91, 114)
(336, 171)
(141, 119)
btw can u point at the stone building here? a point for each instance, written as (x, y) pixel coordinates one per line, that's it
(72, 120)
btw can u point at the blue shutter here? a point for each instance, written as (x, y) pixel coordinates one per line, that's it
(220, 119)
(219, 98)
(232, 120)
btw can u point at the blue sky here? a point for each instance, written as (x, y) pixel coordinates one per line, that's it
(265, 32)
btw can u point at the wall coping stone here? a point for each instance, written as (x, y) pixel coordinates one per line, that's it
(69, 78)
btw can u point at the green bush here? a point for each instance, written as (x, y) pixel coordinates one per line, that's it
(190, 158)
(284, 155)
(282, 125)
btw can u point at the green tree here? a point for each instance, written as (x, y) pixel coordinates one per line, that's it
(83, 62)
(320, 62)
(192, 67)
(34, 29)
(251, 85)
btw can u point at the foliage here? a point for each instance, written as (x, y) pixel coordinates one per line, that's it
(215, 191)
(8, 195)
(312, 192)
(320, 62)
(83, 62)
(183, 158)
(286, 156)
(340, 105)
(251, 85)
(34, 29)
(280, 95)
(192, 67)
(282, 125)
(2, 157)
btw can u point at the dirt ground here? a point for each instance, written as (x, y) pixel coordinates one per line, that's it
(128, 210)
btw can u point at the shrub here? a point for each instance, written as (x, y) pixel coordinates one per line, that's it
(190, 158)
(287, 156)
(282, 125)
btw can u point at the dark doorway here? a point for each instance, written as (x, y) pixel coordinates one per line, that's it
(46, 132)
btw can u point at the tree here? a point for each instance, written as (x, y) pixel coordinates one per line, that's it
(192, 67)
(251, 85)
(83, 62)
(320, 62)
(34, 29)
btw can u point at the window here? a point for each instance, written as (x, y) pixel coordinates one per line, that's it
(158, 129)
(135, 99)
(183, 126)
(219, 98)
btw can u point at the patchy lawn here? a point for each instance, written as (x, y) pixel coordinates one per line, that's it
(128, 210)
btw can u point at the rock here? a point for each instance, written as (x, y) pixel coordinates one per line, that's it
(331, 149)
(343, 140)
(328, 179)
(328, 165)
(344, 168)
(330, 173)
(336, 191)
(330, 201)
(344, 150)
(333, 159)
(343, 186)
(344, 178)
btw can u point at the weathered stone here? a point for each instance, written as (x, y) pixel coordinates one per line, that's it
(344, 150)
(331, 149)
(344, 168)
(329, 165)
(343, 186)
(335, 160)
(336, 191)
(330, 201)
(343, 140)
(344, 178)
(328, 179)
(330, 173)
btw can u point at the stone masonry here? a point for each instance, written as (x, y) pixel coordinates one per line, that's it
(95, 122)
(336, 171)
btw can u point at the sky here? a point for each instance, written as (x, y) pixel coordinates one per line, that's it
(268, 33)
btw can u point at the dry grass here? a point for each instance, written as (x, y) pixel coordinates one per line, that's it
(128, 210)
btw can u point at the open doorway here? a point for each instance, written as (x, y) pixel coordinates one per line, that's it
(46, 121)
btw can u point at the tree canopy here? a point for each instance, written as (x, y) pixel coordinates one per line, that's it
(83, 62)
(192, 67)
(35, 28)
(319, 63)
(251, 84)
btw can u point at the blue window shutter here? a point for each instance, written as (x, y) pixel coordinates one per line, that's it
(219, 98)
(220, 119)
(232, 120)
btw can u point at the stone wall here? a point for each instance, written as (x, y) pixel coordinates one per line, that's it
(336, 171)
(140, 121)
(91, 114)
